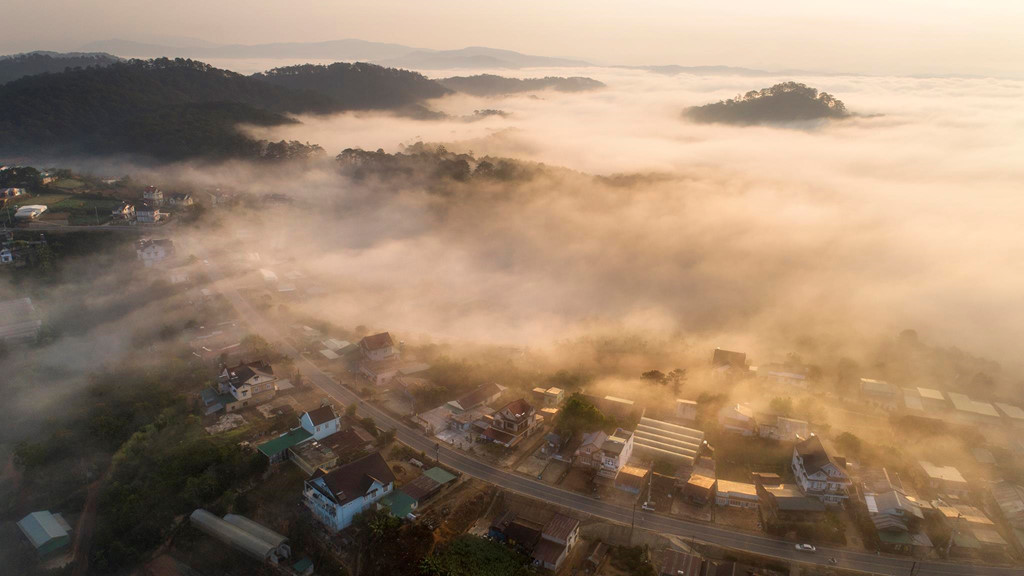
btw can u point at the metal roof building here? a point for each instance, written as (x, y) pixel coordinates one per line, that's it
(664, 440)
(243, 534)
(47, 532)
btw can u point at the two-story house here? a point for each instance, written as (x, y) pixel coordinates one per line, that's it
(251, 383)
(153, 195)
(615, 453)
(557, 540)
(818, 473)
(512, 423)
(321, 423)
(588, 454)
(146, 213)
(335, 497)
(378, 347)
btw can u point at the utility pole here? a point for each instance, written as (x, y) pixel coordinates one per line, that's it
(632, 523)
(437, 452)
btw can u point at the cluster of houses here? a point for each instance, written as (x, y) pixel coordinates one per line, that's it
(19, 253)
(151, 208)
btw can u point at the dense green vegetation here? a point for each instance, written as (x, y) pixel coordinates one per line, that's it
(493, 85)
(175, 109)
(385, 545)
(433, 164)
(32, 63)
(357, 86)
(785, 102)
(579, 415)
(474, 556)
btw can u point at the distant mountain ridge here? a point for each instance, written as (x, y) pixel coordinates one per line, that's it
(358, 85)
(385, 54)
(16, 66)
(782, 103)
(493, 85)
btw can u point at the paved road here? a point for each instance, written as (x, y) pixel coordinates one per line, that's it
(755, 543)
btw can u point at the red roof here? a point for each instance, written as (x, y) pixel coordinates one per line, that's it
(377, 341)
(518, 409)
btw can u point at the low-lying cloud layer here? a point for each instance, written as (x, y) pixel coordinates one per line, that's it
(904, 216)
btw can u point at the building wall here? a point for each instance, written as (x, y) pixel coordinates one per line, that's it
(337, 518)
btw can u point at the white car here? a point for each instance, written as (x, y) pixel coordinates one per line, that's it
(805, 548)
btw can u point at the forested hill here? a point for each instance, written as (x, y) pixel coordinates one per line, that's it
(32, 63)
(166, 109)
(492, 85)
(782, 103)
(359, 85)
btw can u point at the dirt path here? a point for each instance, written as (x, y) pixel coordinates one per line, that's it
(85, 527)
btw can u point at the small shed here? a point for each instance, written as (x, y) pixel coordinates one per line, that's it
(47, 532)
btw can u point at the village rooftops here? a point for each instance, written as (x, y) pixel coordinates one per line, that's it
(243, 372)
(815, 456)
(931, 394)
(729, 358)
(965, 404)
(477, 396)
(1012, 412)
(740, 488)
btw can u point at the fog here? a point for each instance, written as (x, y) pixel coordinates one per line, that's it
(748, 237)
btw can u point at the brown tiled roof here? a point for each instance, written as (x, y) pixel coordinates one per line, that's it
(322, 414)
(499, 435)
(352, 480)
(519, 409)
(560, 527)
(377, 341)
(351, 438)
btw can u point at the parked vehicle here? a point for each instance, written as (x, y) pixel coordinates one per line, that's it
(805, 548)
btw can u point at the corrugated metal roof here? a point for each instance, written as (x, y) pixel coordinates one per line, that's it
(284, 442)
(439, 475)
(41, 527)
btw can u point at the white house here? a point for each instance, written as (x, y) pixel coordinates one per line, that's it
(818, 473)
(782, 428)
(686, 409)
(153, 251)
(247, 383)
(615, 452)
(378, 347)
(148, 214)
(30, 212)
(321, 422)
(335, 497)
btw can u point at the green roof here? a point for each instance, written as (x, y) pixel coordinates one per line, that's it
(284, 442)
(302, 565)
(399, 503)
(439, 475)
(44, 530)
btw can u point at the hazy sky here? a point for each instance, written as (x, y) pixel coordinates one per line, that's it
(871, 36)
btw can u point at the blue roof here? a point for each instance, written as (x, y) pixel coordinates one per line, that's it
(41, 527)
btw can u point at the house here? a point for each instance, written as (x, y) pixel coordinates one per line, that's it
(897, 519)
(588, 454)
(786, 503)
(153, 196)
(481, 395)
(548, 398)
(425, 486)
(729, 364)
(615, 453)
(686, 410)
(378, 347)
(738, 419)
(148, 214)
(945, 480)
(631, 479)
(553, 443)
(681, 564)
(47, 532)
(877, 389)
(182, 200)
(699, 488)
(512, 423)
(736, 494)
(666, 441)
(19, 320)
(11, 192)
(350, 440)
(123, 212)
(557, 540)
(786, 374)
(818, 473)
(974, 533)
(243, 534)
(152, 251)
(380, 372)
(30, 211)
(47, 178)
(321, 422)
(335, 497)
(252, 382)
(782, 429)
(279, 449)
(973, 410)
